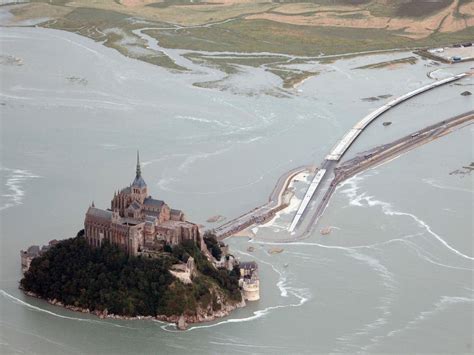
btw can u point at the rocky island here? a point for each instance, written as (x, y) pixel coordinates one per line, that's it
(140, 259)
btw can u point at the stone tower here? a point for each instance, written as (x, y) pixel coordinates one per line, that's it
(139, 188)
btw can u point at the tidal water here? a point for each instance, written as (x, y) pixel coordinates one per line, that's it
(395, 275)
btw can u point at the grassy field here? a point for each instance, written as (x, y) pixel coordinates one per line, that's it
(268, 36)
(114, 29)
(421, 8)
(390, 63)
(312, 28)
(292, 78)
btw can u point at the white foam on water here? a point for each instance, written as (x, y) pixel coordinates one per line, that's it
(63, 38)
(349, 249)
(14, 180)
(245, 345)
(432, 182)
(350, 188)
(425, 255)
(164, 183)
(161, 158)
(191, 159)
(256, 315)
(443, 304)
(386, 302)
(364, 200)
(109, 146)
(29, 334)
(389, 211)
(339, 70)
(35, 308)
(387, 278)
(206, 121)
(83, 103)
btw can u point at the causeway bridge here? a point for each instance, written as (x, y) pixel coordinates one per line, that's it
(320, 180)
(320, 188)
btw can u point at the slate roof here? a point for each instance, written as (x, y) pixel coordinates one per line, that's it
(98, 213)
(248, 265)
(139, 182)
(176, 211)
(130, 221)
(150, 218)
(127, 190)
(149, 201)
(135, 205)
(155, 214)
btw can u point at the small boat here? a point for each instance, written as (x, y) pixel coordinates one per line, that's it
(285, 265)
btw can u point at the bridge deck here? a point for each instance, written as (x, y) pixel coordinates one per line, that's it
(307, 197)
(352, 135)
(341, 147)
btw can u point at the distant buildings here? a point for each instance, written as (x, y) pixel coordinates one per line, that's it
(249, 281)
(136, 220)
(32, 252)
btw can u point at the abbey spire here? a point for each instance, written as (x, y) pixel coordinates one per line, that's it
(139, 188)
(136, 221)
(139, 171)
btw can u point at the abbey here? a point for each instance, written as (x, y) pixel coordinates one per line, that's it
(136, 221)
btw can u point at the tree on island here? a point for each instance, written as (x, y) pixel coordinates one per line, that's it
(106, 278)
(212, 245)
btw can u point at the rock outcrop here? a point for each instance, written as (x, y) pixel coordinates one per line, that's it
(202, 314)
(181, 323)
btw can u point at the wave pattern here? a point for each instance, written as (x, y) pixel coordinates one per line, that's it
(13, 192)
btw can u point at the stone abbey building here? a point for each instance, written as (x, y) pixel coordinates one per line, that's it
(136, 221)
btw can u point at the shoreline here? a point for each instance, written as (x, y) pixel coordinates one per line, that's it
(171, 320)
(278, 200)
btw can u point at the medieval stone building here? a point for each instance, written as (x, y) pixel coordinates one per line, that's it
(137, 221)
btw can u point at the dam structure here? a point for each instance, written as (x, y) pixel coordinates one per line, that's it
(320, 182)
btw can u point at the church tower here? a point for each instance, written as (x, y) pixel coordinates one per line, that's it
(139, 188)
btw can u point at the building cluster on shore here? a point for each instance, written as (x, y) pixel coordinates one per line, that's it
(249, 281)
(32, 252)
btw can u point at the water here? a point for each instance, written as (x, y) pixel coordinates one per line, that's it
(394, 276)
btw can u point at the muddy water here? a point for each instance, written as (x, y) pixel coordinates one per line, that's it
(394, 275)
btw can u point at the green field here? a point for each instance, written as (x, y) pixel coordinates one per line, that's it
(205, 27)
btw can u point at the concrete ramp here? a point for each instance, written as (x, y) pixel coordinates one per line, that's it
(307, 197)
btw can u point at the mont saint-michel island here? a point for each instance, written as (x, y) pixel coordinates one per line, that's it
(140, 259)
(266, 177)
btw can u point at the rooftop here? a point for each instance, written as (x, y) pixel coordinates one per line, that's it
(149, 201)
(248, 265)
(130, 221)
(139, 182)
(98, 213)
(173, 211)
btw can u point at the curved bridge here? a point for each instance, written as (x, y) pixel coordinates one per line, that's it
(341, 147)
